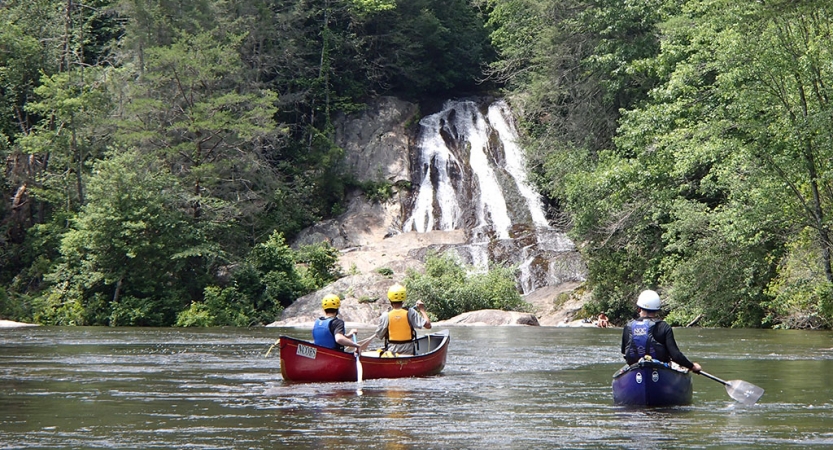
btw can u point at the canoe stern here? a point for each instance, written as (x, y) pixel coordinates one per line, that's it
(652, 383)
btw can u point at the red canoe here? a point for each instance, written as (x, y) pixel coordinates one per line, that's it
(304, 361)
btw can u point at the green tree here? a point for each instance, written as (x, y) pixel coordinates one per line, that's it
(319, 265)
(192, 109)
(71, 104)
(715, 181)
(260, 286)
(569, 69)
(428, 47)
(127, 257)
(50, 99)
(777, 87)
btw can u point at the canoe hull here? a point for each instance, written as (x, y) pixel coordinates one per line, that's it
(303, 361)
(652, 383)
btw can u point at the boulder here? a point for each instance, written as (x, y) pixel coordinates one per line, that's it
(364, 299)
(557, 305)
(491, 317)
(363, 223)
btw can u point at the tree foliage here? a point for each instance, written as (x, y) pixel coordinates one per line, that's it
(724, 163)
(450, 288)
(688, 143)
(218, 116)
(158, 155)
(126, 258)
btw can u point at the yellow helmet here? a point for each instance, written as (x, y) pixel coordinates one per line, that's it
(396, 293)
(331, 301)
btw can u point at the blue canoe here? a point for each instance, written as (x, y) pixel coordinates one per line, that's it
(652, 383)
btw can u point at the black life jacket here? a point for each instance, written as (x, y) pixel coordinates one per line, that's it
(641, 341)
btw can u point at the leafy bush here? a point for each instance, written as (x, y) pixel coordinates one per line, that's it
(224, 307)
(450, 288)
(271, 277)
(15, 307)
(275, 276)
(800, 294)
(318, 265)
(377, 191)
(197, 315)
(132, 311)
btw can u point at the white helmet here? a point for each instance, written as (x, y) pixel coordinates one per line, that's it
(648, 300)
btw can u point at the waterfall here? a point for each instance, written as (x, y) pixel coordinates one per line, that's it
(468, 157)
(436, 164)
(500, 118)
(471, 174)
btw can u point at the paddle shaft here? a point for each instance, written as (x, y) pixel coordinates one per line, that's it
(359, 369)
(708, 375)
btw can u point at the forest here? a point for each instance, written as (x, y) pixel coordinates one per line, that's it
(159, 155)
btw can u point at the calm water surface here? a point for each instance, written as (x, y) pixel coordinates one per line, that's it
(508, 387)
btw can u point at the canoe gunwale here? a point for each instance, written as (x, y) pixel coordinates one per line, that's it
(650, 364)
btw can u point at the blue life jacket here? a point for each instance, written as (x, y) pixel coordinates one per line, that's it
(321, 334)
(641, 340)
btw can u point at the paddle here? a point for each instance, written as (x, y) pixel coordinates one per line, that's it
(746, 393)
(359, 370)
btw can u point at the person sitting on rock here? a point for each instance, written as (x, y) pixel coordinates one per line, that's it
(398, 326)
(603, 321)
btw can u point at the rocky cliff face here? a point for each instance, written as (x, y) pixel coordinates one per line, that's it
(460, 186)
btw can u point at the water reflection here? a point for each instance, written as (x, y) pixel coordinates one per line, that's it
(512, 387)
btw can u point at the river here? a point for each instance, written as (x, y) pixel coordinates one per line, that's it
(503, 388)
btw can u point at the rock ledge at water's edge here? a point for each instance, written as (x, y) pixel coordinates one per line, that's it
(363, 300)
(12, 324)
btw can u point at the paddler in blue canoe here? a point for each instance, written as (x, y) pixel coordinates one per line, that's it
(647, 335)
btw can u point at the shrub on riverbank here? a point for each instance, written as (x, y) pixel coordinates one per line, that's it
(450, 288)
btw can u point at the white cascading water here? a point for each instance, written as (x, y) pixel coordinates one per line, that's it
(472, 175)
(501, 119)
(435, 159)
(491, 204)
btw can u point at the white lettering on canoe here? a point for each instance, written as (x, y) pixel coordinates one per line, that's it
(306, 351)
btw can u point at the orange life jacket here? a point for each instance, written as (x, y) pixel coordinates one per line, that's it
(399, 330)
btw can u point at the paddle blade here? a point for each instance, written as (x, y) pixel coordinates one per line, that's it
(743, 392)
(359, 370)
